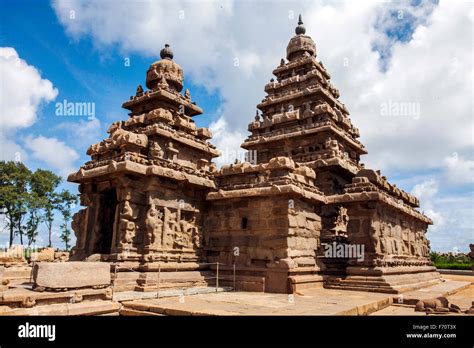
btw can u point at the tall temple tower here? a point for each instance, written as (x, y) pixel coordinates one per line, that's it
(307, 192)
(145, 186)
(302, 118)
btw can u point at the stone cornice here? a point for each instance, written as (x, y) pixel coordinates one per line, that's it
(129, 167)
(326, 126)
(306, 92)
(266, 192)
(378, 196)
(173, 98)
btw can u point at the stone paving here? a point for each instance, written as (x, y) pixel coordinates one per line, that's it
(315, 301)
(318, 301)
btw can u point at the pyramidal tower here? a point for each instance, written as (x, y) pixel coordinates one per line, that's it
(145, 185)
(301, 210)
(302, 118)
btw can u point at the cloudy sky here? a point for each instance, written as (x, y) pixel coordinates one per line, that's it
(380, 54)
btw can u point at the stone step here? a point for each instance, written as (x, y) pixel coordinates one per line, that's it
(381, 287)
(99, 307)
(18, 274)
(21, 297)
(136, 313)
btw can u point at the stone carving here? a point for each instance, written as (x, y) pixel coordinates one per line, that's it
(139, 91)
(127, 232)
(127, 227)
(436, 305)
(127, 211)
(154, 226)
(78, 224)
(156, 150)
(187, 95)
(340, 223)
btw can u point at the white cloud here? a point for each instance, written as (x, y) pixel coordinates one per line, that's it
(10, 150)
(456, 228)
(459, 170)
(22, 91)
(53, 152)
(227, 142)
(84, 132)
(426, 190)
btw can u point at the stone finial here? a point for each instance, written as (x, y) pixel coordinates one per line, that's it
(257, 116)
(166, 53)
(300, 29)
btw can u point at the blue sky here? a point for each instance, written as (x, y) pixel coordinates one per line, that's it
(383, 44)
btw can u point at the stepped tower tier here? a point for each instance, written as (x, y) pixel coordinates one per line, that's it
(302, 118)
(145, 185)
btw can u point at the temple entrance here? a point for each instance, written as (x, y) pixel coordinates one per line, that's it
(108, 204)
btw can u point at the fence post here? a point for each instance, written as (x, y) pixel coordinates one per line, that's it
(234, 277)
(31, 272)
(158, 285)
(217, 277)
(115, 278)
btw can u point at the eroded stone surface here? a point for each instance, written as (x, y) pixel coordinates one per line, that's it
(65, 275)
(14, 255)
(46, 254)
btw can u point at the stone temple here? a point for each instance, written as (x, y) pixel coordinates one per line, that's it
(154, 200)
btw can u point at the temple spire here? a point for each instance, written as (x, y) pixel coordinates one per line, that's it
(300, 29)
(166, 53)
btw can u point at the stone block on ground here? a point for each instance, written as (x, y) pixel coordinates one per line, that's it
(14, 255)
(3, 282)
(61, 256)
(66, 275)
(45, 255)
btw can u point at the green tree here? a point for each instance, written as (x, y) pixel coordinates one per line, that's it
(66, 202)
(14, 195)
(35, 203)
(44, 184)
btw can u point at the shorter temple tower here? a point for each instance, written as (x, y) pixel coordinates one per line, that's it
(145, 186)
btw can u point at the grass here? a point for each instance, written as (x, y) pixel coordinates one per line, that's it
(452, 265)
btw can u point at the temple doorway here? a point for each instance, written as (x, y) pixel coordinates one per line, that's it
(108, 204)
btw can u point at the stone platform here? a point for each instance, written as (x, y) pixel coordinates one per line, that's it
(314, 301)
(22, 300)
(462, 298)
(387, 283)
(446, 288)
(100, 307)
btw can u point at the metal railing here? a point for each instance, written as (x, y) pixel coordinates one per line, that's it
(118, 266)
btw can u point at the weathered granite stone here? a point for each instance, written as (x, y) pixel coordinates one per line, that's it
(45, 255)
(3, 282)
(65, 275)
(14, 255)
(61, 256)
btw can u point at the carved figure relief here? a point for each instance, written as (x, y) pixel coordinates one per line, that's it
(127, 232)
(154, 227)
(127, 227)
(155, 150)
